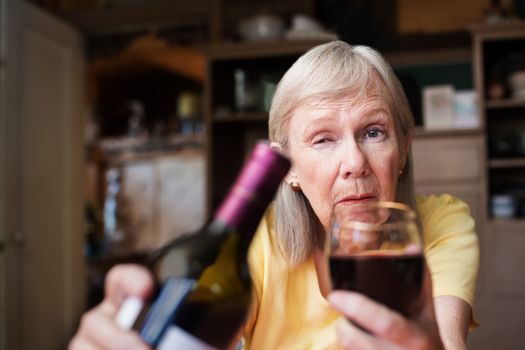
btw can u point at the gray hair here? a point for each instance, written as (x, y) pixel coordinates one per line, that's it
(325, 73)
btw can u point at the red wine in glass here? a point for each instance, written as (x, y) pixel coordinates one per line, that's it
(392, 279)
(375, 249)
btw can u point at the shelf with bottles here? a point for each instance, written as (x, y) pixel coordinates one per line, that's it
(147, 124)
(503, 64)
(243, 76)
(505, 131)
(151, 89)
(152, 110)
(242, 89)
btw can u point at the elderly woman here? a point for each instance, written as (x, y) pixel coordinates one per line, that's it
(340, 114)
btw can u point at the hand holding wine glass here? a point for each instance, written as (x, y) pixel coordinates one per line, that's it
(375, 249)
(375, 255)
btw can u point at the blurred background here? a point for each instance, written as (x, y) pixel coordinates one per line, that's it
(123, 123)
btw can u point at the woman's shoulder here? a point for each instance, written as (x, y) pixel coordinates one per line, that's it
(444, 214)
(434, 204)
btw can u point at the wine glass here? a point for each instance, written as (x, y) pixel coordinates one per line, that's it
(375, 248)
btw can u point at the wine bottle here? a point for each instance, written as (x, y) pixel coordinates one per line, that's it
(206, 299)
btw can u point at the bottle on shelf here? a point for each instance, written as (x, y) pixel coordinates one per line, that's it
(189, 112)
(204, 303)
(246, 91)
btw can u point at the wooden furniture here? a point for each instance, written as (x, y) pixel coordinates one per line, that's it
(500, 302)
(150, 198)
(452, 162)
(231, 131)
(152, 158)
(498, 53)
(42, 268)
(197, 21)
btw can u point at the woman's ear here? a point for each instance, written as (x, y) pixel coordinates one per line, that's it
(276, 145)
(406, 147)
(291, 177)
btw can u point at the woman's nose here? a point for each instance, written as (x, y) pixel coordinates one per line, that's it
(353, 161)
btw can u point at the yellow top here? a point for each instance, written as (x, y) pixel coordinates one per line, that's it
(289, 310)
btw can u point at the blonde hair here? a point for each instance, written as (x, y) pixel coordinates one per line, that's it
(325, 73)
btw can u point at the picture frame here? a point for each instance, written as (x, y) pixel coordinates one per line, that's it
(438, 107)
(466, 110)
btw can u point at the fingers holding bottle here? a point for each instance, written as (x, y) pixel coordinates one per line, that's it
(98, 327)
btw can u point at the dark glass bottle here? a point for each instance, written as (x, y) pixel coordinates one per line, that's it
(206, 303)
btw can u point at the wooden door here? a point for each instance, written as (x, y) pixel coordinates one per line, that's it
(7, 156)
(42, 111)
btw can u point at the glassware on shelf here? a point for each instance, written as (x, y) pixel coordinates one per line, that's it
(189, 112)
(246, 91)
(503, 206)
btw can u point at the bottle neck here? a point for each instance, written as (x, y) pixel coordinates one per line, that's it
(253, 191)
(241, 212)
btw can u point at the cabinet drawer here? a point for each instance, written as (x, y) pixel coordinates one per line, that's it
(447, 158)
(504, 258)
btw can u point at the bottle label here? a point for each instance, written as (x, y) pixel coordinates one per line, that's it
(129, 312)
(176, 338)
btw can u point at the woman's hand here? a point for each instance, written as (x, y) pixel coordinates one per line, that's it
(98, 329)
(387, 328)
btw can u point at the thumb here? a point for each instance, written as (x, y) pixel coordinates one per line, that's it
(125, 281)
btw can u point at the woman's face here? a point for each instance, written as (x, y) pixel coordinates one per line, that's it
(345, 153)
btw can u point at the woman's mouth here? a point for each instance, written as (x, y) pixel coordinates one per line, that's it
(357, 199)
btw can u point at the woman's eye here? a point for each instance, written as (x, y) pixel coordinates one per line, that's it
(374, 133)
(321, 140)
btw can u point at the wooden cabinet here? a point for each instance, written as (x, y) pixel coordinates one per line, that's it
(232, 125)
(454, 158)
(451, 162)
(499, 52)
(151, 199)
(146, 117)
(500, 304)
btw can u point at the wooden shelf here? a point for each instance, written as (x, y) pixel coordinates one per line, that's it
(231, 134)
(423, 57)
(499, 226)
(422, 132)
(243, 50)
(137, 18)
(500, 31)
(507, 163)
(242, 117)
(505, 103)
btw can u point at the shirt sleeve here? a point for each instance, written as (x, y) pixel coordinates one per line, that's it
(451, 246)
